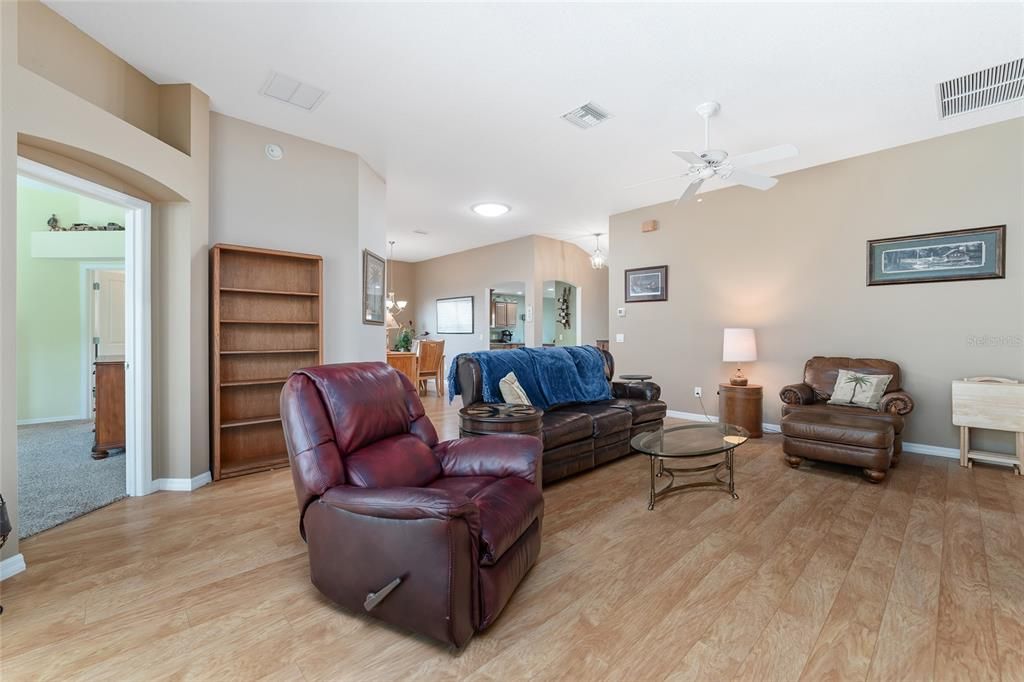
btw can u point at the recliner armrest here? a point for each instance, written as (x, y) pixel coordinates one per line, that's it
(502, 455)
(897, 402)
(403, 503)
(797, 394)
(639, 390)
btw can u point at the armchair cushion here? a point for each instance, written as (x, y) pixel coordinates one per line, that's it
(797, 394)
(508, 507)
(498, 455)
(463, 485)
(395, 461)
(897, 402)
(404, 503)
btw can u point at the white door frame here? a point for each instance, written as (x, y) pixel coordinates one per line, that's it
(86, 300)
(138, 323)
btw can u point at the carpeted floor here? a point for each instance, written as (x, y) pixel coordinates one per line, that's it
(58, 480)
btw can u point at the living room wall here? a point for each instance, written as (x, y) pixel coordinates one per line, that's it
(790, 262)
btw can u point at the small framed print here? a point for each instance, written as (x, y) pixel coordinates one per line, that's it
(977, 253)
(647, 284)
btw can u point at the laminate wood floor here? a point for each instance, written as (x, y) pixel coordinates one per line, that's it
(812, 574)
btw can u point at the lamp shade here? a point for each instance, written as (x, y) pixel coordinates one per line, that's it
(739, 345)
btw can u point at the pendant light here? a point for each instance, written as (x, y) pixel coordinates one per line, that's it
(597, 258)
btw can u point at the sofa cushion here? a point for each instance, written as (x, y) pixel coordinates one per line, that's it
(641, 410)
(895, 420)
(847, 429)
(508, 506)
(467, 486)
(561, 427)
(606, 419)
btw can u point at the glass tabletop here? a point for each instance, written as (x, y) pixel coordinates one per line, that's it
(690, 440)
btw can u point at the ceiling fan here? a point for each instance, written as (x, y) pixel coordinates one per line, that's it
(717, 163)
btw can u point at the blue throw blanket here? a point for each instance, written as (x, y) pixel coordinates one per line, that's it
(550, 376)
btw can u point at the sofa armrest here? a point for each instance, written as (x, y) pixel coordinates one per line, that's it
(797, 394)
(403, 503)
(639, 390)
(502, 455)
(897, 402)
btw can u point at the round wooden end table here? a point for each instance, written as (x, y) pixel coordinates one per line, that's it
(487, 419)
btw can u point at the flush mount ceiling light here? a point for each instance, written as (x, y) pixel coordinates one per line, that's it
(597, 258)
(273, 152)
(490, 209)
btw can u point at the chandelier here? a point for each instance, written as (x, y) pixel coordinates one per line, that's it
(394, 307)
(597, 258)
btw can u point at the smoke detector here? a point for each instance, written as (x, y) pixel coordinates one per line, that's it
(586, 116)
(292, 91)
(981, 89)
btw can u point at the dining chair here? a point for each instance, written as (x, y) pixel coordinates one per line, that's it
(431, 365)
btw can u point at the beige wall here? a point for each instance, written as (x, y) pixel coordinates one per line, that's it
(565, 262)
(65, 130)
(531, 260)
(790, 263)
(314, 200)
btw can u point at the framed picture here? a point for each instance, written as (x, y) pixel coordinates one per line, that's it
(373, 288)
(978, 253)
(455, 315)
(647, 284)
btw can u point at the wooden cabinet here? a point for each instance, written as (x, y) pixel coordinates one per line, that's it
(266, 321)
(110, 406)
(741, 406)
(504, 314)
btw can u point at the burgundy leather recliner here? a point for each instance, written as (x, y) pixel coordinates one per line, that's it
(430, 536)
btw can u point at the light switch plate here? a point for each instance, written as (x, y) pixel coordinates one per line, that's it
(529, 314)
(619, 338)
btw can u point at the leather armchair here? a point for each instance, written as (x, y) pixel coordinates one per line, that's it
(430, 536)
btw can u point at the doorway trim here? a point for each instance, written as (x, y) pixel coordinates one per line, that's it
(138, 319)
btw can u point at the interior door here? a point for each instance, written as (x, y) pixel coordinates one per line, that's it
(108, 312)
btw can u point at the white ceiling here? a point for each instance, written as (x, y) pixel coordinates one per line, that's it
(459, 103)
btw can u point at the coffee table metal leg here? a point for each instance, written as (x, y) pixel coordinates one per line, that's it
(650, 505)
(730, 458)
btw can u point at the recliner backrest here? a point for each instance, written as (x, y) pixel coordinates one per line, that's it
(358, 423)
(820, 372)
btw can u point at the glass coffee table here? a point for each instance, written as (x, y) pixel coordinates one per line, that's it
(692, 442)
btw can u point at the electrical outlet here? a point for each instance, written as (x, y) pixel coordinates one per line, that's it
(698, 392)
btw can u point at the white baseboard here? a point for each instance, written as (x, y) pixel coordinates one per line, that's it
(49, 420)
(695, 417)
(12, 566)
(186, 485)
(933, 450)
(917, 448)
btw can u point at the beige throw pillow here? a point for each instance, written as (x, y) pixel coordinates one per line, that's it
(511, 391)
(859, 390)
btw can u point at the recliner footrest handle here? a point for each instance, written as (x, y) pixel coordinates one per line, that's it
(375, 598)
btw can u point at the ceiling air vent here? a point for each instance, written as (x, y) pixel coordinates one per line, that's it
(985, 88)
(287, 89)
(586, 116)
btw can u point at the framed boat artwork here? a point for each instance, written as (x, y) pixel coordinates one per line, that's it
(977, 253)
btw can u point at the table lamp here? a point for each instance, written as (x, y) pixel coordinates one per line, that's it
(739, 345)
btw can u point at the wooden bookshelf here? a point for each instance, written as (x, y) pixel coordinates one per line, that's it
(266, 321)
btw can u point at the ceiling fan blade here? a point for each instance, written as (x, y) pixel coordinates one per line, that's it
(751, 179)
(690, 191)
(676, 176)
(691, 158)
(783, 151)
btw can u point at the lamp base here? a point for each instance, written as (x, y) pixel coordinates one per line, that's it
(738, 379)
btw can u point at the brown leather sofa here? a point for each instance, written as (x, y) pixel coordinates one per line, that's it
(857, 436)
(579, 437)
(430, 536)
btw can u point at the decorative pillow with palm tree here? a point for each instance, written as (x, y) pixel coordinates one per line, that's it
(859, 390)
